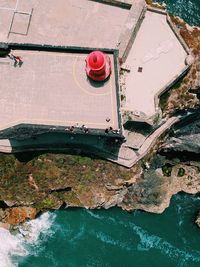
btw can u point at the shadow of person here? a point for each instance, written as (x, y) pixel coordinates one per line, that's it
(20, 63)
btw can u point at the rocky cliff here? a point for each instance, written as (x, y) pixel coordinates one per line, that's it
(32, 183)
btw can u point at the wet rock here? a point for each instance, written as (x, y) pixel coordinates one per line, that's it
(20, 214)
(198, 220)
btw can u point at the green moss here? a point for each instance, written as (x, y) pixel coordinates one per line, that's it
(83, 160)
(46, 203)
(181, 172)
(167, 169)
(69, 198)
(89, 176)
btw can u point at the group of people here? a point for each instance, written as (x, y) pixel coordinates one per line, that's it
(110, 129)
(83, 128)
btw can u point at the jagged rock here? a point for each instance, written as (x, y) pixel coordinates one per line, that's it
(189, 60)
(185, 136)
(2, 215)
(111, 187)
(19, 214)
(10, 203)
(115, 199)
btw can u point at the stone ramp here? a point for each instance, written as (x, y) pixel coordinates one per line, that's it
(131, 28)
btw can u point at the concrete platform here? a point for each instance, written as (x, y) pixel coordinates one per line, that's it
(62, 22)
(155, 59)
(52, 88)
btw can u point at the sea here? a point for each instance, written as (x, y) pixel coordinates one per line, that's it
(105, 238)
(111, 238)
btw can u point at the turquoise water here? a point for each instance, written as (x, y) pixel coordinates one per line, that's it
(189, 10)
(112, 238)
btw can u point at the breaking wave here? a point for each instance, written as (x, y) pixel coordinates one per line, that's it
(10, 246)
(15, 246)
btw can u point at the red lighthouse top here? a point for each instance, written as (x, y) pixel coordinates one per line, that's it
(98, 66)
(96, 60)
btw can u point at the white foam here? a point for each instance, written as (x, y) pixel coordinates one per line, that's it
(148, 241)
(31, 230)
(10, 246)
(14, 246)
(94, 215)
(107, 239)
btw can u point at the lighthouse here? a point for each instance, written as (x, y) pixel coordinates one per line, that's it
(98, 66)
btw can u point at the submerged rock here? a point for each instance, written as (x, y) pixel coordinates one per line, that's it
(198, 220)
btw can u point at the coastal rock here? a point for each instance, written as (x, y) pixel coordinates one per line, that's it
(184, 94)
(110, 187)
(183, 135)
(198, 220)
(189, 60)
(20, 214)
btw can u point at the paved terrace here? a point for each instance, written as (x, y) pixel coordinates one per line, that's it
(52, 89)
(155, 59)
(62, 22)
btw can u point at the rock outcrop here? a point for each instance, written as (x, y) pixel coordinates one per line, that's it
(16, 215)
(185, 136)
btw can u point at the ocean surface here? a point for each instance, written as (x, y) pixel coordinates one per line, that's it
(189, 10)
(111, 238)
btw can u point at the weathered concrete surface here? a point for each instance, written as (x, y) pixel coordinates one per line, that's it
(160, 57)
(52, 89)
(73, 23)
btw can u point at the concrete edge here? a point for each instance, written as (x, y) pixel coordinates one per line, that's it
(173, 81)
(119, 3)
(182, 72)
(55, 48)
(178, 36)
(157, 10)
